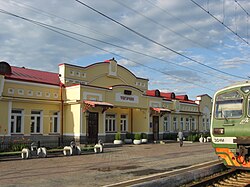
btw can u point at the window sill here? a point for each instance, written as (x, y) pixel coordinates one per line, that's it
(34, 134)
(54, 133)
(16, 134)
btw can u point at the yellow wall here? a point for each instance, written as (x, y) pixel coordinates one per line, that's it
(47, 110)
(47, 92)
(72, 119)
(4, 117)
(99, 75)
(140, 121)
(72, 93)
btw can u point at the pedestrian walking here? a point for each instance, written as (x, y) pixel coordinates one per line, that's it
(180, 136)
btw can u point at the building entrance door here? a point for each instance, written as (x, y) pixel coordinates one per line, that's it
(156, 127)
(93, 127)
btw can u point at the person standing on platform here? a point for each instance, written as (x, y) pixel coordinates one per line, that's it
(180, 136)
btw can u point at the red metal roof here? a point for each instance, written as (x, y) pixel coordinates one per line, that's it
(30, 75)
(159, 110)
(182, 97)
(97, 103)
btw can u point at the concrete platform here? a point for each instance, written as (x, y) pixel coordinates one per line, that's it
(115, 165)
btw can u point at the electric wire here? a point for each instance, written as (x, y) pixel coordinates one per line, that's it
(242, 7)
(134, 51)
(228, 28)
(114, 45)
(51, 15)
(161, 25)
(155, 42)
(94, 46)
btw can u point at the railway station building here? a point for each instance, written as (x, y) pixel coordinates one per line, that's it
(91, 103)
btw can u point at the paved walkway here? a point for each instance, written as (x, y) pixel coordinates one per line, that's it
(114, 165)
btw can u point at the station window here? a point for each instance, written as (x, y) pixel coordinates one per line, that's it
(35, 119)
(55, 126)
(175, 123)
(204, 123)
(16, 121)
(166, 126)
(187, 124)
(193, 124)
(208, 124)
(182, 124)
(110, 123)
(124, 123)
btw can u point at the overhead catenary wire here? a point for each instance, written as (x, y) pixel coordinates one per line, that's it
(248, 15)
(108, 43)
(161, 25)
(94, 46)
(242, 7)
(155, 42)
(66, 20)
(227, 27)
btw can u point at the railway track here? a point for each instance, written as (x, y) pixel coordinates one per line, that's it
(176, 177)
(230, 178)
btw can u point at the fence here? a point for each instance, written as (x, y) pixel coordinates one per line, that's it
(19, 145)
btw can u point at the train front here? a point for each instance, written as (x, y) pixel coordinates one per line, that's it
(230, 127)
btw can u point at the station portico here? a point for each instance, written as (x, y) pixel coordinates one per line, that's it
(91, 103)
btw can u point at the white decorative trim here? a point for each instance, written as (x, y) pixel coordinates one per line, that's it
(74, 134)
(39, 93)
(126, 98)
(30, 92)
(11, 91)
(81, 119)
(9, 117)
(31, 83)
(85, 94)
(20, 92)
(41, 125)
(47, 94)
(55, 95)
(154, 104)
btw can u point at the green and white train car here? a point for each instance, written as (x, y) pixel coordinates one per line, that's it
(230, 125)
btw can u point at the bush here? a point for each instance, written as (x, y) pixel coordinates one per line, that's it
(144, 136)
(129, 135)
(118, 136)
(193, 137)
(137, 136)
(170, 136)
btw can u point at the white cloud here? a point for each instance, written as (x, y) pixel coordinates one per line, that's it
(181, 26)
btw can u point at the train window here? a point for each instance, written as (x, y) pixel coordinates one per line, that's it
(229, 105)
(245, 89)
(249, 105)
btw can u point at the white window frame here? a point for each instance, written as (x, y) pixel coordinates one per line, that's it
(37, 115)
(204, 123)
(193, 124)
(110, 123)
(166, 124)
(207, 124)
(13, 121)
(175, 123)
(124, 123)
(187, 122)
(182, 126)
(55, 118)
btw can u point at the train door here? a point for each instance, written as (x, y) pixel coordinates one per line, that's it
(155, 127)
(93, 127)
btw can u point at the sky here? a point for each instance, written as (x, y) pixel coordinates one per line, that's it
(188, 47)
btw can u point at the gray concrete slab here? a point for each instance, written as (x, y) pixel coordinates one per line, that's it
(115, 165)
